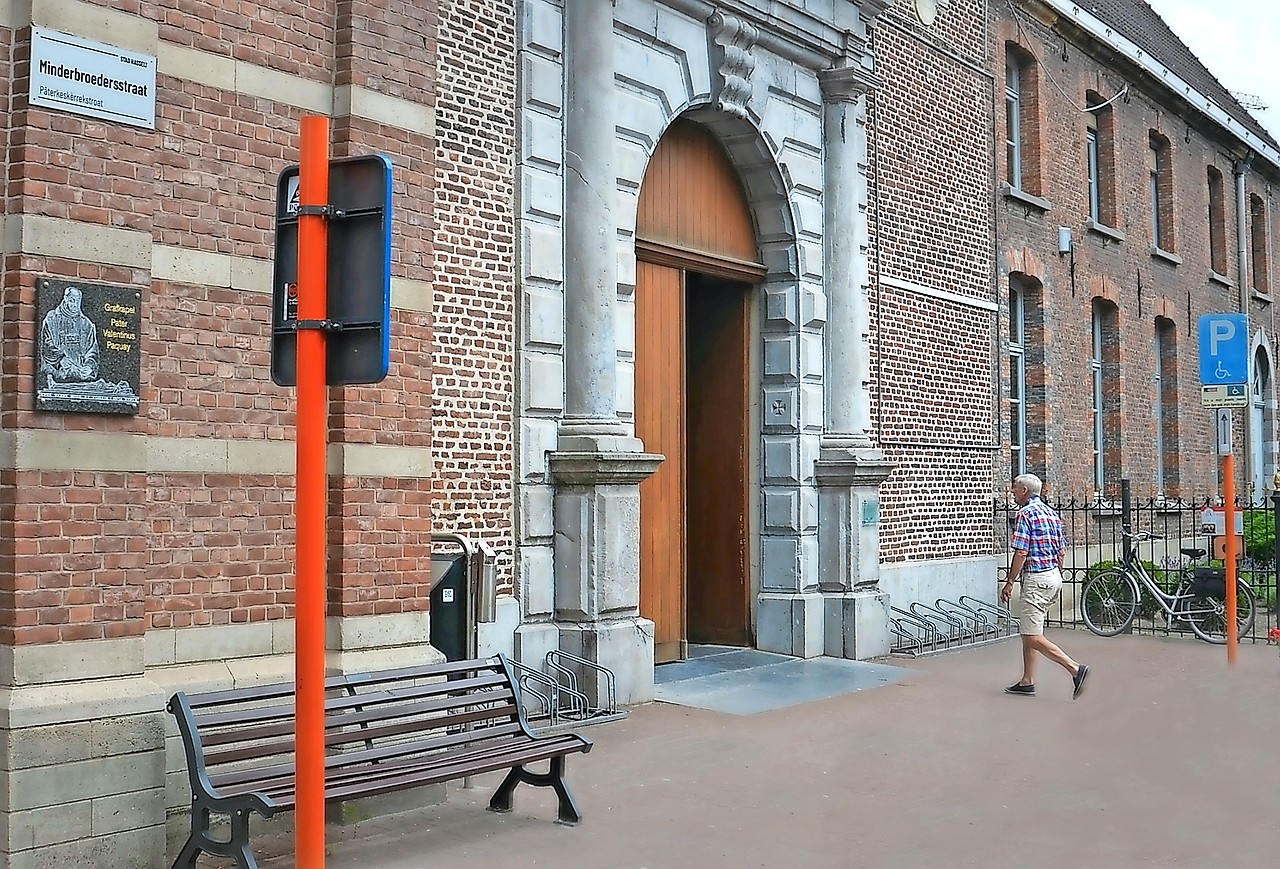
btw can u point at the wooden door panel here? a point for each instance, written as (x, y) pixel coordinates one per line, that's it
(659, 403)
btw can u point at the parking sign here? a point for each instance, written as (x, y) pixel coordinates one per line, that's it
(1224, 349)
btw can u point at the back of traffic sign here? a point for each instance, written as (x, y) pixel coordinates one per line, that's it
(358, 319)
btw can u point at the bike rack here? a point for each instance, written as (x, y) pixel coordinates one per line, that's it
(922, 629)
(552, 697)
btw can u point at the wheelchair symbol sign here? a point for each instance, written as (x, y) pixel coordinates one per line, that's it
(1224, 349)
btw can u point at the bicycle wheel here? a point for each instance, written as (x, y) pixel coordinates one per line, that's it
(1208, 615)
(1109, 603)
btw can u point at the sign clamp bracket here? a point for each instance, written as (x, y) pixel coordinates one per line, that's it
(319, 210)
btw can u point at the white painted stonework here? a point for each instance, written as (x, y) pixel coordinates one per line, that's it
(759, 91)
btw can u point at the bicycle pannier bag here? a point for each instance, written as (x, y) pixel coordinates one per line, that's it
(1209, 582)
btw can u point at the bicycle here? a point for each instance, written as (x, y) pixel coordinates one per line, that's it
(1109, 600)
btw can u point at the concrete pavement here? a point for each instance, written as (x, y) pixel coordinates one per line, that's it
(1169, 759)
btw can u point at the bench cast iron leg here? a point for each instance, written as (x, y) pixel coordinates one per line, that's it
(568, 811)
(240, 840)
(199, 833)
(237, 848)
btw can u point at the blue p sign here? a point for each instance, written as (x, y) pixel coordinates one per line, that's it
(1224, 349)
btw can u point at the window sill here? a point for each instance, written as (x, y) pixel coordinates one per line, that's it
(1262, 296)
(1216, 278)
(1008, 191)
(1167, 256)
(1106, 231)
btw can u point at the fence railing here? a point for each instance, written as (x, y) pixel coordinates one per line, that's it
(1095, 540)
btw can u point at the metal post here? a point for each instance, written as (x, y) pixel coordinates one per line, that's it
(1275, 550)
(1229, 497)
(312, 422)
(1126, 524)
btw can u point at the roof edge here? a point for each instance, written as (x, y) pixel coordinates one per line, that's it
(1109, 36)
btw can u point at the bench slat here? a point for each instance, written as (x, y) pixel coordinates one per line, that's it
(405, 720)
(285, 689)
(368, 755)
(503, 702)
(258, 714)
(418, 772)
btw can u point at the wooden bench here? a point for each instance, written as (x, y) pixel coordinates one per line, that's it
(385, 731)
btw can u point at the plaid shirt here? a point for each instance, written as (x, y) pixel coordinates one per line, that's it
(1037, 531)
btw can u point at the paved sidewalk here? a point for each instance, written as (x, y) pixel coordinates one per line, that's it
(1169, 759)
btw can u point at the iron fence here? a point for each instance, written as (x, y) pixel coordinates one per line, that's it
(1095, 534)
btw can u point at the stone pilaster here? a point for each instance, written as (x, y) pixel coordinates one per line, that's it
(590, 231)
(598, 465)
(597, 566)
(850, 468)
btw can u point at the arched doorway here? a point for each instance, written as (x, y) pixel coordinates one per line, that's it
(697, 264)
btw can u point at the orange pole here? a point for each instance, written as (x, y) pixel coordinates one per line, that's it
(1229, 496)
(309, 666)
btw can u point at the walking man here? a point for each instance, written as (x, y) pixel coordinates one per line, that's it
(1039, 545)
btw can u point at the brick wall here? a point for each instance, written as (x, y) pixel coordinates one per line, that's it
(1120, 266)
(92, 553)
(475, 289)
(932, 241)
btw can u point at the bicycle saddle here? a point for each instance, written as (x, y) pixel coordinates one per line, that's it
(1193, 554)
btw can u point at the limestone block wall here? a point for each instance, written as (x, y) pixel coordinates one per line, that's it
(772, 129)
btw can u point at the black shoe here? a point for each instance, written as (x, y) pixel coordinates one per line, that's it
(1021, 690)
(1078, 680)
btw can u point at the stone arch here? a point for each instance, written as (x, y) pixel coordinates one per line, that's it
(1027, 262)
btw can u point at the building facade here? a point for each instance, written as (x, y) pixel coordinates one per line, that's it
(753, 380)
(1136, 195)
(692, 325)
(147, 488)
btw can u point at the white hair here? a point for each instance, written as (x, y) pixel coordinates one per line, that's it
(1030, 482)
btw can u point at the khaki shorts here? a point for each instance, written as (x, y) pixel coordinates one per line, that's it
(1038, 591)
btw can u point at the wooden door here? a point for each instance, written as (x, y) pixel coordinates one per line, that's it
(660, 419)
(717, 567)
(691, 394)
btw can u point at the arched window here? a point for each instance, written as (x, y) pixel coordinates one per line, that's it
(1217, 222)
(1165, 402)
(1104, 365)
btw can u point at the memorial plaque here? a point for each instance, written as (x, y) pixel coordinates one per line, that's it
(87, 347)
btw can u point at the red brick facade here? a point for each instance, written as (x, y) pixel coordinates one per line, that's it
(1142, 297)
(88, 552)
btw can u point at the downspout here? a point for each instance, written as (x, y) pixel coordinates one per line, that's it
(1240, 168)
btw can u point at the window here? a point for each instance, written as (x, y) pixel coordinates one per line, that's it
(1165, 402)
(1104, 365)
(1017, 379)
(1095, 179)
(1258, 244)
(1217, 223)
(1013, 122)
(1028, 379)
(1021, 104)
(1161, 182)
(1099, 138)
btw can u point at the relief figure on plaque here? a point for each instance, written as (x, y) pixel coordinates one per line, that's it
(69, 342)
